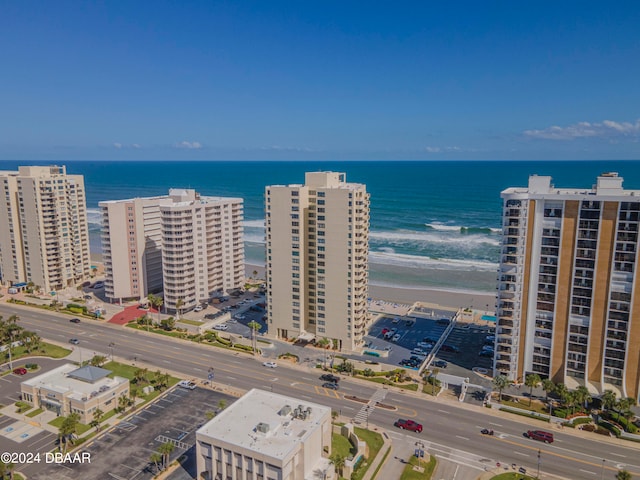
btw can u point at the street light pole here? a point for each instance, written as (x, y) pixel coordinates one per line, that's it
(602, 473)
(538, 474)
(111, 345)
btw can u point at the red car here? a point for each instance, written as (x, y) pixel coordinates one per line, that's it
(384, 330)
(408, 425)
(20, 371)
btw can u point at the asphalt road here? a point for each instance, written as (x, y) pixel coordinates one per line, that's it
(450, 429)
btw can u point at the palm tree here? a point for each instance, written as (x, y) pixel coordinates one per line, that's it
(608, 399)
(548, 386)
(434, 380)
(337, 461)
(531, 380)
(582, 396)
(140, 375)
(179, 304)
(254, 326)
(622, 405)
(255, 274)
(97, 360)
(501, 382)
(571, 401)
(165, 450)
(156, 458)
(97, 418)
(123, 401)
(67, 429)
(562, 391)
(156, 302)
(623, 475)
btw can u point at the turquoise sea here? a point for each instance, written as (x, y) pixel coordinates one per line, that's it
(433, 224)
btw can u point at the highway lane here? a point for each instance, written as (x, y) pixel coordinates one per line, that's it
(448, 427)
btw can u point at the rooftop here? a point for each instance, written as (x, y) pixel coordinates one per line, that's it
(79, 383)
(267, 422)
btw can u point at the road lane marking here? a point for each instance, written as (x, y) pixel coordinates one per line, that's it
(618, 455)
(444, 411)
(521, 454)
(588, 471)
(495, 424)
(462, 438)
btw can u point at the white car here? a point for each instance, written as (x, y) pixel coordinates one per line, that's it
(198, 308)
(221, 326)
(187, 384)
(396, 337)
(395, 320)
(269, 364)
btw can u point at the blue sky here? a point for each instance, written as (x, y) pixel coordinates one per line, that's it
(319, 80)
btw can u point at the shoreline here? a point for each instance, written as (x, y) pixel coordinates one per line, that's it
(409, 295)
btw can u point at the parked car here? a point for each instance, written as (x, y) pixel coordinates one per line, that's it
(88, 297)
(486, 353)
(408, 425)
(449, 348)
(327, 377)
(384, 330)
(187, 384)
(198, 308)
(419, 351)
(395, 320)
(440, 364)
(443, 321)
(74, 341)
(269, 364)
(98, 285)
(331, 386)
(540, 435)
(396, 337)
(20, 371)
(425, 345)
(75, 320)
(221, 326)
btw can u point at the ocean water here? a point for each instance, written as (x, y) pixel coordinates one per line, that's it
(433, 224)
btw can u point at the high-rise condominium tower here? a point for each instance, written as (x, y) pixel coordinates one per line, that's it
(44, 236)
(317, 259)
(568, 302)
(185, 244)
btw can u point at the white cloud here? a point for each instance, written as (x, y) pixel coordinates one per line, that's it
(442, 149)
(607, 129)
(135, 145)
(117, 145)
(189, 145)
(279, 148)
(120, 146)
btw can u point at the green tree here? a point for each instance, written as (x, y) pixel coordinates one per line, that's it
(140, 375)
(156, 302)
(531, 381)
(179, 305)
(67, 430)
(209, 414)
(434, 380)
(123, 402)
(337, 461)
(501, 382)
(156, 458)
(222, 404)
(168, 323)
(98, 360)
(608, 399)
(623, 475)
(97, 419)
(255, 327)
(622, 405)
(582, 396)
(563, 392)
(133, 394)
(165, 450)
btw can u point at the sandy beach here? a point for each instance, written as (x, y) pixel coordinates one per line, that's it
(448, 298)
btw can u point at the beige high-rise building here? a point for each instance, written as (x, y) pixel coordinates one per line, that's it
(187, 245)
(44, 237)
(317, 259)
(568, 302)
(132, 247)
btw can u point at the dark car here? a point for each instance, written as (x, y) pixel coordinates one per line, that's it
(440, 364)
(449, 348)
(540, 435)
(20, 371)
(486, 353)
(327, 377)
(75, 320)
(443, 321)
(408, 425)
(332, 386)
(75, 341)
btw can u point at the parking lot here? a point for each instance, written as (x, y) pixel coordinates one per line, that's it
(124, 451)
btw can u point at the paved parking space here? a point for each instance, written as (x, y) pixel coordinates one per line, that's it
(123, 452)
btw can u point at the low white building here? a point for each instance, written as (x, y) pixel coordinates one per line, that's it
(71, 389)
(266, 436)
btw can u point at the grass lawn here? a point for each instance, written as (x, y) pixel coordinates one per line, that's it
(37, 411)
(80, 429)
(512, 476)
(341, 445)
(45, 350)
(537, 406)
(196, 323)
(410, 474)
(426, 388)
(375, 442)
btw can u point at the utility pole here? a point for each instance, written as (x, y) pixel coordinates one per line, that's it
(538, 474)
(602, 473)
(111, 345)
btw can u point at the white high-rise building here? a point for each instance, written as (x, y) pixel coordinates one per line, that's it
(44, 236)
(568, 306)
(317, 259)
(187, 245)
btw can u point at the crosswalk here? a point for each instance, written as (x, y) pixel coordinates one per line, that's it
(367, 409)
